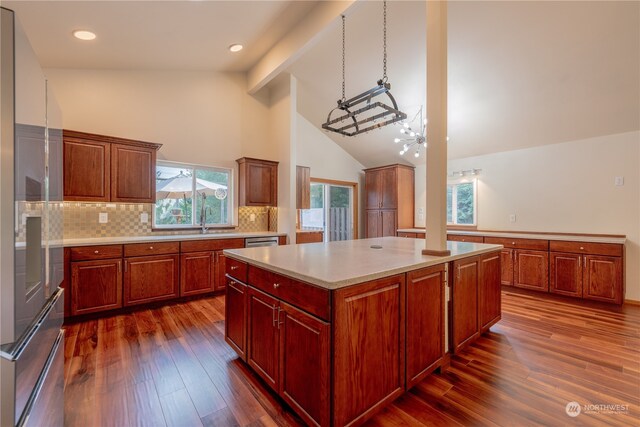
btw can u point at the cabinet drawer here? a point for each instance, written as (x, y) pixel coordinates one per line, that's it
(310, 298)
(236, 269)
(421, 235)
(403, 234)
(87, 253)
(531, 244)
(465, 238)
(211, 245)
(144, 249)
(609, 249)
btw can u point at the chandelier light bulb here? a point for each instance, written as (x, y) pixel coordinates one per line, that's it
(417, 154)
(412, 134)
(405, 147)
(396, 140)
(403, 131)
(402, 152)
(406, 125)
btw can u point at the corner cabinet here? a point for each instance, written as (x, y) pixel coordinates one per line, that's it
(100, 168)
(257, 182)
(390, 199)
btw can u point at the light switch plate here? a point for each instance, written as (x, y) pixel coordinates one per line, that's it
(144, 217)
(103, 217)
(512, 218)
(619, 181)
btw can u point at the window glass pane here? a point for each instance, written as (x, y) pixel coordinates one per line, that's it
(449, 204)
(464, 194)
(317, 196)
(212, 186)
(339, 197)
(173, 196)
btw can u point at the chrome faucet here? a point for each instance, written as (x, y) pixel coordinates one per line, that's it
(203, 213)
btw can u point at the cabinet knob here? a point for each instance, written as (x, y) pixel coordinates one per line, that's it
(513, 243)
(276, 285)
(150, 248)
(234, 267)
(582, 248)
(96, 252)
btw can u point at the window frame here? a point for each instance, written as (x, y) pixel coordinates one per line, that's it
(454, 196)
(194, 167)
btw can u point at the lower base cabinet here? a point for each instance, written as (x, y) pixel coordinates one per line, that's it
(152, 278)
(96, 286)
(603, 279)
(531, 270)
(263, 346)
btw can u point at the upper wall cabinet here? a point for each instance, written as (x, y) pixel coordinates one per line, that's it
(257, 182)
(303, 187)
(101, 168)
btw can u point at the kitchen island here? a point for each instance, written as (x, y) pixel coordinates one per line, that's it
(340, 330)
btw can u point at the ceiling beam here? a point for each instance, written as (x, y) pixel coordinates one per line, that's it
(297, 41)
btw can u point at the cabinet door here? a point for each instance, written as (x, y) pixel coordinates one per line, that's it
(305, 364)
(261, 184)
(531, 270)
(374, 224)
(96, 286)
(464, 303)
(86, 170)
(263, 336)
(389, 222)
(152, 278)
(197, 273)
(425, 322)
(303, 187)
(489, 293)
(506, 270)
(565, 274)
(235, 317)
(220, 279)
(603, 278)
(133, 171)
(372, 189)
(388, 188)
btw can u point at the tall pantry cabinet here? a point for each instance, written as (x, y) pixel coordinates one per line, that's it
(390, 201)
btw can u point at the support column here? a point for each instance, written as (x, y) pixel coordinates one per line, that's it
(436, 152)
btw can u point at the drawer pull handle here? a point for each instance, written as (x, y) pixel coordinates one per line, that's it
(150, 248)
(513, 243)
(276, 285)
(234, 267)
(96, 252)
(582, 248)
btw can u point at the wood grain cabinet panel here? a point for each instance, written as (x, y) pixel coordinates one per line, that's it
(305, 364)
(133, 172)
(197, 273)
(425, 322)
(86, 170)
(565, 276)
(489, 292)
(257, 182)
(464, 238)
(506, 273)
(388, 183)
(388, 222)
(531, 270)
(373, 225)
(263, 337)
(464, 303)
(220, 269)
(603, 278)
(235, 317)
(369, 353)
(236, 269)
(390, 194)
(309, 237)
(153, 278)
(96, 286)
(303, 187)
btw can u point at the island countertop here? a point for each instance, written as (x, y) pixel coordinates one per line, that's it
(336, 265)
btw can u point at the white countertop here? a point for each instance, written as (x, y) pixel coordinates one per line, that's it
(166, 238)
(516, 235)
(335, 265)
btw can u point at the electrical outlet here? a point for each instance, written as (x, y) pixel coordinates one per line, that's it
(252, 217)
(144, 217)
(421, 211)
(103, 217)
(619, 181)
(421, 216)
(512, 218)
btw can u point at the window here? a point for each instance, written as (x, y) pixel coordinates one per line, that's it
(461, 203)
(332, 210)
(181, 190)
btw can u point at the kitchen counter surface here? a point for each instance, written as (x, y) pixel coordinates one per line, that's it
(166, 238)
(516, 235)
(339, 264)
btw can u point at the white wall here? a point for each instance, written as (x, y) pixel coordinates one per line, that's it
(328, 160)
(566, 187)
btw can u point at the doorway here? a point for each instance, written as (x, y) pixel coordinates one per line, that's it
(333, 210)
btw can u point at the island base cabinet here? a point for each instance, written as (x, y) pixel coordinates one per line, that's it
(235, 317)
(263, 336)
(151, 278)
(368, 348)
(425, 322)
(305, 364)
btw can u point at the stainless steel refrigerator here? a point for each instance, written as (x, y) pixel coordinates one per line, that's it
(31, 302)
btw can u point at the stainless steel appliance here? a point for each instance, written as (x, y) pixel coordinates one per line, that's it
(31, 302)
(254, 242)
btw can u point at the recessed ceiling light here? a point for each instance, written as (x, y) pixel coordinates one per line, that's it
(235, 47)
(84, 35)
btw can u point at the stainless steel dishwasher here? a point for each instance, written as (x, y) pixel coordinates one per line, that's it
(255, 242)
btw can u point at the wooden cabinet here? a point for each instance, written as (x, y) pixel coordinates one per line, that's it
(389, 193)
(150, 278)
(507, 262)
(197, 273)
(531, 270)
(588, 270)
(303, 187)
(464, 302)
(96, 286)
(257, 182)
(465, 238)
(235, 317)
(263, 336)
(100, 168)
(489, 292)
(309, 237)
(425, 322)
(220, 281)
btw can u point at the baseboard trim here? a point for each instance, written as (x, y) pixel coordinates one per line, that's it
(632, 302)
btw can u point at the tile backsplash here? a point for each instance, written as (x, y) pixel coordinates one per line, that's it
(81, 220)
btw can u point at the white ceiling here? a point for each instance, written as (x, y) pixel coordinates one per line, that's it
(521, 74)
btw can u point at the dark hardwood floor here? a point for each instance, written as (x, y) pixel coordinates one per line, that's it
(170, 366)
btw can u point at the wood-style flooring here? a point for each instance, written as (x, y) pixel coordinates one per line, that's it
(170, 366)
